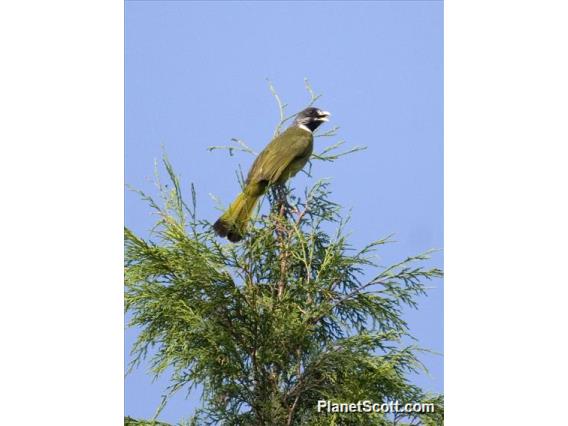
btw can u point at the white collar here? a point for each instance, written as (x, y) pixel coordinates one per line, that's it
(303, 126)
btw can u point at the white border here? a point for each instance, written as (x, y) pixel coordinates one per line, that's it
(506, 120)
(61, 144)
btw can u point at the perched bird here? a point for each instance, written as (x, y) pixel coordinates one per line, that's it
(282, 158)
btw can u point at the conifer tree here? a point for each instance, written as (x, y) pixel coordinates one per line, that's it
(287, 317)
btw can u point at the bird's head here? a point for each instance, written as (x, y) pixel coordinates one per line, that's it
(311, 118)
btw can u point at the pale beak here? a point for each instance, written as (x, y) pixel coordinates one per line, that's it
(323, 115)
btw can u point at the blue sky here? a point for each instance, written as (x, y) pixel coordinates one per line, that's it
(195, 76)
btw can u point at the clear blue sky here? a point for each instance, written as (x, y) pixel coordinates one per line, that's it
(196, 76)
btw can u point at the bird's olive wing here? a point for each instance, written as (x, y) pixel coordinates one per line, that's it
(290, 149)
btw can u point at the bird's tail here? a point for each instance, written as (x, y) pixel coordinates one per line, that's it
(232, 224)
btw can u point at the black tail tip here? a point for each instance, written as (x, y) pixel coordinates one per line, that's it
(234, 237)
(221, 228)
(224, 229)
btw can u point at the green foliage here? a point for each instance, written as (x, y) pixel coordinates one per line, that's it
(129, 421)
(271, 325)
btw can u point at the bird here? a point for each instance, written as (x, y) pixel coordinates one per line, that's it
(280, 160)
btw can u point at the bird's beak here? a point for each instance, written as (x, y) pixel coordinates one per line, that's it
(324, 116)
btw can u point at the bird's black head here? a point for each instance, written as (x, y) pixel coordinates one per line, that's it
(311, 118)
